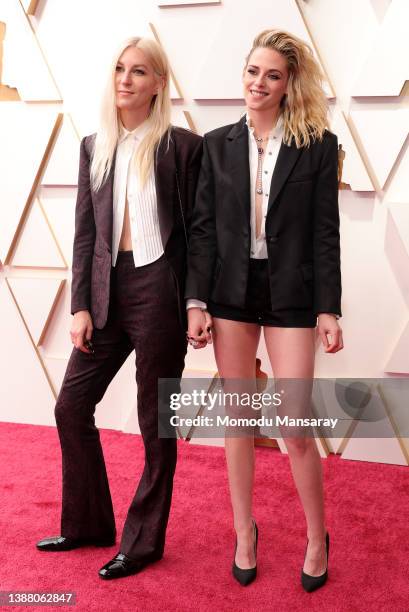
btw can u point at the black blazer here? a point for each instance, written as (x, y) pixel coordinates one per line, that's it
(176, 171)
(302, 224)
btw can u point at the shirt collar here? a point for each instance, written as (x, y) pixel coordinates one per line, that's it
(138, 133)
(276, 131)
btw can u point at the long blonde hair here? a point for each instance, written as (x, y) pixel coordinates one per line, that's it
(109, 128)
(304, 108)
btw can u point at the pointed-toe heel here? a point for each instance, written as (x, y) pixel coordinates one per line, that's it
(311, 583)
(246, 576)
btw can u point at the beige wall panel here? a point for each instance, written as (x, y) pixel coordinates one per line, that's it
(174, 94)
(398, 189)
(35, 298)
(384, 440)
(20, 164)
(57, 342)
(27, 396)
(55, 368)
(179, 118)
(30, 6)
(6, 93)
(24, 65)
(62, 167)
(221, 79)
(354, 172)
(207, 118)
(185, 2)
(380, 8)
(383, 450)
(398, 259)
(174, 89)
(367, 279)
(387, 68)
(326, 404)
(58, 204)
(343, 40)
(383, 133)
(400, 214)
(398, 362)
(36, 246)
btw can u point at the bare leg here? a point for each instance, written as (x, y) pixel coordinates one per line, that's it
(291, 352)
(235, 347)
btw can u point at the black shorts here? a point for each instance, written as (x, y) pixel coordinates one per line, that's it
(258, 304)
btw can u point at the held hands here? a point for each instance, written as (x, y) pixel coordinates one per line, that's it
(81, 330)
(199, 327)
(328, 326)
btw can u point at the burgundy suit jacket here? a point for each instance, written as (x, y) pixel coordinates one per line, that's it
(175, 166)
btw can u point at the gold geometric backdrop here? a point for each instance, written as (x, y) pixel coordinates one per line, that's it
(53, 60)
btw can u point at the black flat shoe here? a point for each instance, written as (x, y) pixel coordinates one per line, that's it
(311, 583)
(60, 543)
(121, 566)
(246, 576)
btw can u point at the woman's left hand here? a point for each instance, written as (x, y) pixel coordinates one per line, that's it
(328, 326)
(199, 332)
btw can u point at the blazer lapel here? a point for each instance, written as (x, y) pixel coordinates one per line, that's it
(286, 159)
(105, 198)
(165, 171)
(238, 162)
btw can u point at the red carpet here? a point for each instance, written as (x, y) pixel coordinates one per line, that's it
(367, 512)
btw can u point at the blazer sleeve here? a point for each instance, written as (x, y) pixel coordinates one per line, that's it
(202, 240)
(193, 171)
(326, 239)
(84, 237)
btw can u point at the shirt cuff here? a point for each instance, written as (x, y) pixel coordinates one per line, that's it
(331, 313)
(192, 303)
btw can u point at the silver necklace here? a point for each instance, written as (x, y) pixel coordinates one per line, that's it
(260, 151)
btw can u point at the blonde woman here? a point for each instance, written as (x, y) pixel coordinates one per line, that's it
(264, 254)
(137, 181)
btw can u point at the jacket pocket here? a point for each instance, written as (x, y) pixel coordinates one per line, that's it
(298, 178)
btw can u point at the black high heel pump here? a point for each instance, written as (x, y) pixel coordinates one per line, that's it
(311, 583)
(246, 576)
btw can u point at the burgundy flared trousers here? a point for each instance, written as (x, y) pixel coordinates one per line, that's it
(143, 316)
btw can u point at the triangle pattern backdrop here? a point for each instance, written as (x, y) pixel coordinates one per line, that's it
(16, 121)
(37, 231)
(36, 298)
(36, 82)
(38, 208)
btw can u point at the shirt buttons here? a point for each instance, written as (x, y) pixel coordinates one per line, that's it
(266, 194)
(265, 171)
(270, 153)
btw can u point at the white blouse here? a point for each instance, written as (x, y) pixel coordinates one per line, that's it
(143, 210)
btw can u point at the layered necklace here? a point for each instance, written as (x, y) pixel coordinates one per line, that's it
(260, 151)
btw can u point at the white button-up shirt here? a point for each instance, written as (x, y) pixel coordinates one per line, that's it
(142, 202)
(258, 246)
